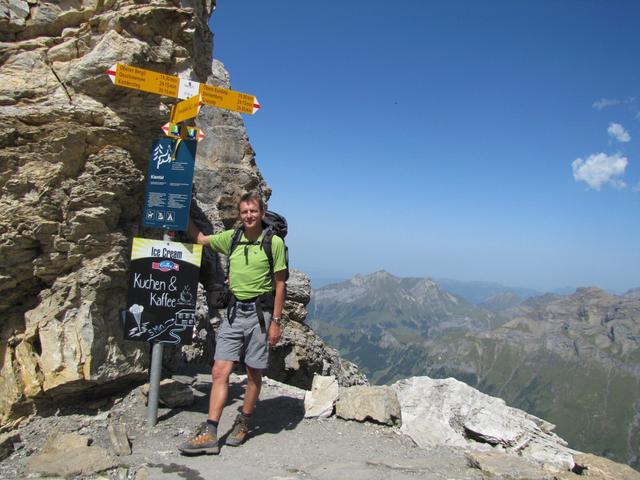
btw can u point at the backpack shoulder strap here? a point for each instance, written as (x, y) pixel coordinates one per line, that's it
(267, 238)
(235, 240)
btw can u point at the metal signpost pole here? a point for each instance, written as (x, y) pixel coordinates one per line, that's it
(154, 383)
(155, 373)
(156, 367)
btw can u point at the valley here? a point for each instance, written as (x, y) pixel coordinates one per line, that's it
(573, 360)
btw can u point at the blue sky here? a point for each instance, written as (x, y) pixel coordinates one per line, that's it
(472, 140)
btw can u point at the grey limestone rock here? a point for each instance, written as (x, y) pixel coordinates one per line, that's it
(68, 455)
(508, 466)
(602, 468)
(319, 401)
(449, 412)
(298, 295)
(374, 403)
(173, 393)
(298, 287)
(119, 439)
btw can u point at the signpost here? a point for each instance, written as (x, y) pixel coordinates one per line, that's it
(172, 86)
(163, 279)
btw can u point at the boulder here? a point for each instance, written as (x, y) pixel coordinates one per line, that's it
(449, 412)
(68, 455)
(594, 467)
(508, 466)
(298, 295)
(298, 287)
(172, 394)
(378, 403)
(119, 439)
(65, 441)
(319, 401)
(142, 473)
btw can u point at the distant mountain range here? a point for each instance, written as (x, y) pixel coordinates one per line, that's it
(573, 360)
(480, 292)
(477, 292)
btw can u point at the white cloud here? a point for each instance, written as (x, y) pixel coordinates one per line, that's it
(599, 169)
(618, 132)
(605, 102)
(637, 188)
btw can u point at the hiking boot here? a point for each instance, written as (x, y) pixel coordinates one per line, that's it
(205, 440)
(239, 431)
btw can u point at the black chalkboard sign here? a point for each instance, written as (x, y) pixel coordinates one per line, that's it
(163, 286)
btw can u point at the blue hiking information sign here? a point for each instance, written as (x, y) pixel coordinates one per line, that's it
(169, 182)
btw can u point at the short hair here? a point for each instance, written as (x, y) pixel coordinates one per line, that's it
(252, 197)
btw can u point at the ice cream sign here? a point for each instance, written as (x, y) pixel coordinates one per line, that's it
(163, 282)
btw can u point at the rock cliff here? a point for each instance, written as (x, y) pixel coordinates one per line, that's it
(74, 150)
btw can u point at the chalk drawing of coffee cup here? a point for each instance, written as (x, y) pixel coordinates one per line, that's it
(136, 310)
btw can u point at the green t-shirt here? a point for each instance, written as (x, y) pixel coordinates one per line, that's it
(249, 274)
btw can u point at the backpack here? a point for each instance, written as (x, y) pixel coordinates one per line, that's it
(272, 224)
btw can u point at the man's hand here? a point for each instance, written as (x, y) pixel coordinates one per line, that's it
(274, 334)
(196, 235)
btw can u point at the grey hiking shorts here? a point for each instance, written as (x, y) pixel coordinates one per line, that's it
(244, 335)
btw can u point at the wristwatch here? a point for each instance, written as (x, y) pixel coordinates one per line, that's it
(277, 321)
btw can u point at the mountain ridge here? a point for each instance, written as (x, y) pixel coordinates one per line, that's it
(393, 302)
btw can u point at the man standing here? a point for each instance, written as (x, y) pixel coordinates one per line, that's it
(252, 324)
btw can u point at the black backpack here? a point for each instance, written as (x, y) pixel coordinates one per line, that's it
(272, 224)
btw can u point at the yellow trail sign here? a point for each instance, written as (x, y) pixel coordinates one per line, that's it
(229, 99)
(146, 80)
(136, 78)
(185, 109)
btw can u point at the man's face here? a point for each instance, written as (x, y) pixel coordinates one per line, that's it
(250, 213)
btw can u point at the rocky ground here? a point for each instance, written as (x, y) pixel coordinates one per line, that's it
(283, 445)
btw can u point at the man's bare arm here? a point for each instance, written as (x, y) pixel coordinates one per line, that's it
(278, 302)
(274, 329)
